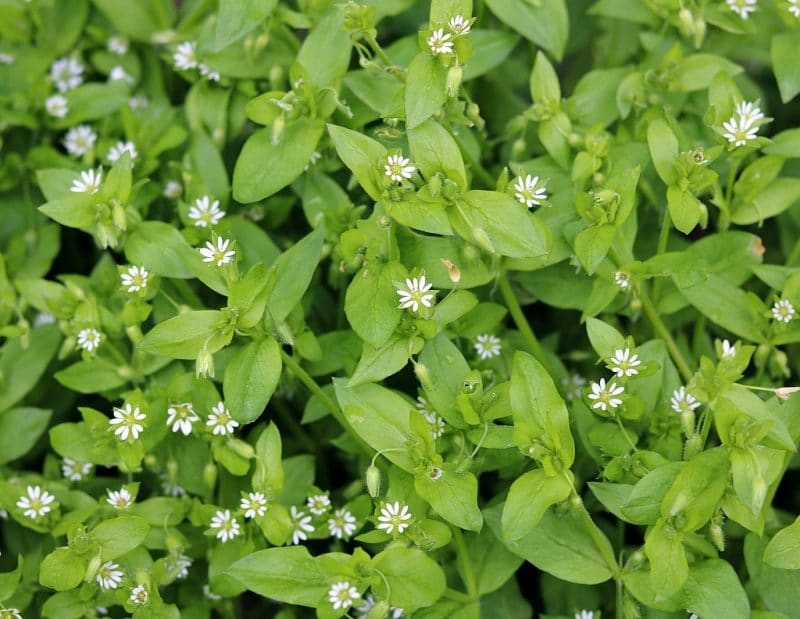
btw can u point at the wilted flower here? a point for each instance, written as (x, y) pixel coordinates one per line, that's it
(139, 595)
(621, 279)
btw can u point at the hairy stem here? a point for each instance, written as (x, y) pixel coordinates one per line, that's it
(466, 564)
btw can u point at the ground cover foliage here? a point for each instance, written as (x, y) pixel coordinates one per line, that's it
(443, 309)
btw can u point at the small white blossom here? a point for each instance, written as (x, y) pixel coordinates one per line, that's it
(342, 523)
(369, 603)
(302, 525)
(416, 293)
(341, 595)
(119, 499)
(10, 613)
(318, 504)
(218, 253)
(74, 470)
(170, 488)
(527, 193)
(6, 58)
(312, 161)
(208, 73)
(37, 503)
(398, 168)
(109, 576)
(134, 279)
(89, 182)
(573, 385)
(180, 417)
(56, 106)
(227, 526)
(622, 280)
(43, 318)
(783, 311)
(487, 346)
(173, 190)
(89, 339)
(116, 151)
(220, 420)
(604, 395)
(79, 140)
(394, 517)
(254, 504)
(440, 43)
(185, 56)
(742, 7)
(178, 564)
(138, 102)
(139, 595)
(424, 407)
(749, 112)
(728, 350)
(438, 426)
(623, 363)
(117, 45)
(693, 616)
(205, 213)
(794, 7)
(738, 131)
(127, 421)
(682, 401)
(459, 25)
(66, 73)
(585, 614)
(118, 74)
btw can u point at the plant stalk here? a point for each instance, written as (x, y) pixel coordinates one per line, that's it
(522, 323)
(662, 331)
(466, 564)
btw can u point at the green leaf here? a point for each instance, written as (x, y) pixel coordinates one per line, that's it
(91, 376)
(453, 495)
(21, 367)
(371, 302)
(208, 165)
(778, 197)
(713, 589)
(698, 488)
(268, 474)
(669, 568)
(663, 150)
(73, 211)
(490, 49)
(787, 72)
(92, 101)
(592, 245)
(363, 156)
(529, 498)
(443, 10)
(426, 89)
(140, 20)
(695, 72)
(444, 380)
(604, 338)
(643, 505)
(774, 586)
(290, 575)
(20, 428)
(66, 605)
(264, 167)
(118, 536)
(376, 364)
(182, 336)
(62, 569)
(161, 249)
(684, 209)
(325, 54)
(545, 22)
(10, 580)
(251, 377)
(434, 150)
(414, 579)
(294, 269)
(783, 550)
(236, 18)
(544, 85)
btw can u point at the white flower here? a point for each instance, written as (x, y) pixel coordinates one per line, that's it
(118, 74)
(728, 350)
(6, 58)
(605, 395)
(173, 189)
(10, 613)
(341, 595)
(117, 45)
(138, 102)
(438, 426)
(416, 293)
(181, 417)
(742, 7)
(37, 503)
(139, 595)
(459, 25)
(254, 504)
(74, 470)
(318, 504)
(738, 131)
(205, 213)
(585, 614)
(169, 487)
(109, 576)
(783, 311)
(487, 346)
(178, 564)
(398, 167)
(218, 253)
(526, 192)
(220, 420)
(693, 616)
(116, 151)
(185, 56)
(369, 603)
(119, 499)
(623, 363)
(315, 156)
(135, 279)
(79, 140)
(424, 407)
(573, 385)
(342, 523)
(394, 517)
(794, 8)
(56, 106)
(227, 525)
(749, 112)
(89, 339)
(440, 42)
(43, 318)
(209, 74)
(66, 73)
(682, 401)
(127, 421)
(621, 279)
(89, 182)
(302, 525)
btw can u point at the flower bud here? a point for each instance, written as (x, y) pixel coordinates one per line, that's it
(784, 393)
(779, 364)
(93, 567)
(210, 475)
(453, 272)
(454, 76)
(423, 375)
(686, 21)
(694, 445)
(379, 611)
(717, 536)
(762, 352)
(118, 215)
(518, 148)
(699, 31)
(373, 480)
(204, 366)
(278, 127)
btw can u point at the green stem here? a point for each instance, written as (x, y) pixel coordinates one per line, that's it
(662, 331)
(378, 50)
(323, 397)
(522, 323)
(458, 596)
(477, 169)
(663, 239)
(466, 564)
(625, 434)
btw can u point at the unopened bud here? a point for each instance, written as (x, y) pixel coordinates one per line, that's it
(118, 215)
(717, 536)
(210, 475)
(423, 375)
(379, 611)
(699, 31)
(784, 393)
(686, 21)
(92, 568)
(687, 422)
(204, 366)
(278, 127)
(518, 148)
(694, 445)
(454, 75)
(373, 480)
(779, 363)
(453, 272)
